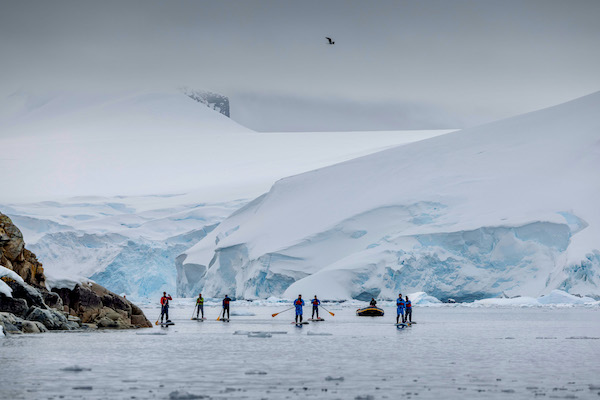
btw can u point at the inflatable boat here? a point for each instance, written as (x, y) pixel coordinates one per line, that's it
(370, 312)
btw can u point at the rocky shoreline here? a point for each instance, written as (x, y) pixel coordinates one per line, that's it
(27, 305)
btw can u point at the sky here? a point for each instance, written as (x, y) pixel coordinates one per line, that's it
(395, 64)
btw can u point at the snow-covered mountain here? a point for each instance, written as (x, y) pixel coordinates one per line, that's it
(506, 208)
(138, 143)
(111, 150)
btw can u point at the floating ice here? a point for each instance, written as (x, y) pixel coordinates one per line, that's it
(242, 313)
(584, 338)
(331, 378)
(75, 368)
(259, 335)
(181, 395)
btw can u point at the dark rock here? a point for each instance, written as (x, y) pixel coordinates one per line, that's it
(10, 322)
(52, 300)
(13, 305)
(115, 302)
(51, 319)
(24, 291)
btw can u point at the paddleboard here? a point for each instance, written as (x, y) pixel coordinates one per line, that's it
(300, 323)
(316, 320)
(166, 323)
(198, 319)
(401, 324)
(225, 319)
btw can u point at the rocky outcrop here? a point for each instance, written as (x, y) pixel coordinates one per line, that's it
(216, 101)
(94, 304)
(14, 255)
(27, 306)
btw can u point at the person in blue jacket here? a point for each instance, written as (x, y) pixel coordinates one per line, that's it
(299, 303)
(408, 310)
(315, 303)
(400, 304)
(226, 302)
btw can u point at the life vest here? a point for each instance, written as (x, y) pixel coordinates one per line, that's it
(400, 303)
(164, 301)
(315, 302)
(298, 303)
(226, 301)
(408, 304)
(200, 300)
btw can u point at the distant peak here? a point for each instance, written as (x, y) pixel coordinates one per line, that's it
(216, 101)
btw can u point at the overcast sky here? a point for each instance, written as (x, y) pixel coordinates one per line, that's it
(395, 64)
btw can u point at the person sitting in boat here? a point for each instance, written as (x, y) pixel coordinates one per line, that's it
(408, 317)
(164, 306)
(373, 302)
(299, 303)
(315, 303)
(401, 305)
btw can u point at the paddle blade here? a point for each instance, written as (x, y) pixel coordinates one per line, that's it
(332, 314)
(273, 315)
(156, 323)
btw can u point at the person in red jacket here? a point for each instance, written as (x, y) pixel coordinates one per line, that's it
(164, 306)
(408, 310)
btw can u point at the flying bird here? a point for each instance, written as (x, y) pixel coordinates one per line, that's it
(329, 39)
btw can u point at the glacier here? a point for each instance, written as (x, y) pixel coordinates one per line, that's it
(125, 244)
(114, 186)
(503, 209)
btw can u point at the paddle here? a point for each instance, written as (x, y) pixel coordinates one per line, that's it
(193, 312)
(332, 314)
(219, 317)
(277, 313)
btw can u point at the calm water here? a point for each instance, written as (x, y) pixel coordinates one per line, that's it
(503, 353)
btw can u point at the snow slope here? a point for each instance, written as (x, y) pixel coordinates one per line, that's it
(505, 208)
(138, 143)
(152, 173)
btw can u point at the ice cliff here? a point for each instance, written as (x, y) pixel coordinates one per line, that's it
(508, 208)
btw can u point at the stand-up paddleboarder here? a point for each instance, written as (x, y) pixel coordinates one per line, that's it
(200, 305)
(400, 304)
(164, 306)
(226, 301)
(315, 303)
(299, 303)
